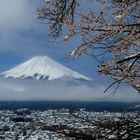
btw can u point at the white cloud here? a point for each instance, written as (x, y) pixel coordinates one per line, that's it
(20, 28)
(14, 14)
(60, 90)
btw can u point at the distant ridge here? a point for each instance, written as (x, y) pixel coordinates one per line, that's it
(42, 67)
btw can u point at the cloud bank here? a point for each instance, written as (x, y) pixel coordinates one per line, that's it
(11, 89)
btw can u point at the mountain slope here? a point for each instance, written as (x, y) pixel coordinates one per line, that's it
(42, 67)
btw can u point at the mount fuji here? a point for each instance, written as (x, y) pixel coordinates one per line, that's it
(42, 67)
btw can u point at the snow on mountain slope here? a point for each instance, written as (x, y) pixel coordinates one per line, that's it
(42, 67)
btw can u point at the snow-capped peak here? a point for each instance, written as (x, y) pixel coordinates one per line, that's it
(42, 67)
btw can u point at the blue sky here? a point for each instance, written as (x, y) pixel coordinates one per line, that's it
(23, 36)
